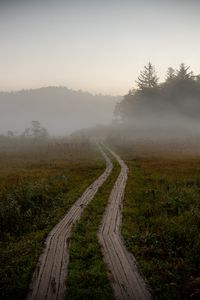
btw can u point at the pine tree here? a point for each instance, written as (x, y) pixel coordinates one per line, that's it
(170, 74)
(183, 73)
(147, 78)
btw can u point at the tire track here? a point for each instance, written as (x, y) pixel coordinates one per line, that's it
(48, 280)
(127, 282)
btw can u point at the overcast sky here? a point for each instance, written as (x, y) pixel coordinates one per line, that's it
(99, 46)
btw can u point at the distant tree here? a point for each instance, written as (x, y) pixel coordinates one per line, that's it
(43, 133)
(147, 78)
(26, 132)
(36, 131)
(182, 73)
(179, 94)
(131, 92)
(124, 108)
(10, 133)
(36, 128)
(171, 74)
(196, 78)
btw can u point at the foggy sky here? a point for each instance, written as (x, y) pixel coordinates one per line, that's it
(99, 46)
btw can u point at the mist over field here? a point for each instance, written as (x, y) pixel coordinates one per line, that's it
(60, 110)
(154, 110)
(100, 47)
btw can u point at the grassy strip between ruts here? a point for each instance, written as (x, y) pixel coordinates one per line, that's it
(87, 276)
(161, 219)
(56, 186)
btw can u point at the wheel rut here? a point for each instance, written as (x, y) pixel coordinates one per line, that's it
(48, 280)
(127, 282)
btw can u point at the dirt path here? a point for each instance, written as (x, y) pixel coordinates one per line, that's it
(123, 273)
(49, 277)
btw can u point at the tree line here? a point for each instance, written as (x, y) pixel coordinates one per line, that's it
(35, 131)
(178, 94)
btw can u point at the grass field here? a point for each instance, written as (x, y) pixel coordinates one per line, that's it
(161, 219)
(39, 181)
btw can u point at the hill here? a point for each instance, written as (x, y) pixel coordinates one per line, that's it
(59, 109)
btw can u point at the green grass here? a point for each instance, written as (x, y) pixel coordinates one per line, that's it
(161, 223)
(38, 186)
(87, 276)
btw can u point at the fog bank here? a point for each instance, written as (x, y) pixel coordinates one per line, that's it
(58, 109)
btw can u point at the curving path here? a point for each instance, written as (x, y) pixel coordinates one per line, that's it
(49, 277)
(126, 281)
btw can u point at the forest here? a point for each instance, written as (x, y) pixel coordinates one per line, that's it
(172, 103)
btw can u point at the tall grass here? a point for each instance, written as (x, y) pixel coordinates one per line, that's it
(40, 180)
(161, 223)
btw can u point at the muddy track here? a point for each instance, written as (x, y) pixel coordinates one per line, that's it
(125, 278)
(49, 277)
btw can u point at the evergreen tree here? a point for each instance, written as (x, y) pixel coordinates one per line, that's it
(147, 78)
(183, 73)
(170, 74)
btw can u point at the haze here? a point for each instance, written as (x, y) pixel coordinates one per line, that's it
(59, 109)
(98, 46)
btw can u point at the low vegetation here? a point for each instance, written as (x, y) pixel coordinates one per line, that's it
(39, 181)
(86, 265)
(161, 221)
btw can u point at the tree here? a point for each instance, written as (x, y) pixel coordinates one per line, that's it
(170, 74)
(183, 73)
(26, 132)
(36, 131)
(10, 134)
(124, 108)
(147, 78)
(36, 128)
